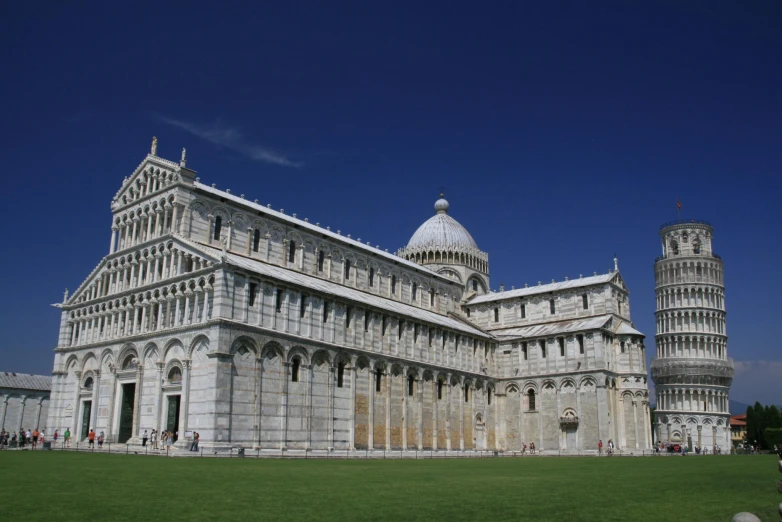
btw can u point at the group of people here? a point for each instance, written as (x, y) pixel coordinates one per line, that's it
(29, 438)
(166, 439)
(609, 449)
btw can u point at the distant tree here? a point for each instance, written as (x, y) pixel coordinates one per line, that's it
(773, 437)
(760, 424)
(774, 417)
(751, 425)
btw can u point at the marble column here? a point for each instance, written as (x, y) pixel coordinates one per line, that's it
(185, 400)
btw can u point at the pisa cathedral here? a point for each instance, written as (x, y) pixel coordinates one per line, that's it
(256, 328)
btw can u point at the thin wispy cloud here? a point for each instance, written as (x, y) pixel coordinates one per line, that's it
(231, 138)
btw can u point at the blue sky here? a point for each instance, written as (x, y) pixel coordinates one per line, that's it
(563, 132)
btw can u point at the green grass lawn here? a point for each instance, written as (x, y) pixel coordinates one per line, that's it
(81, 486)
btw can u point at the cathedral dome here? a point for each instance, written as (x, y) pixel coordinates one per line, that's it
(441, 231)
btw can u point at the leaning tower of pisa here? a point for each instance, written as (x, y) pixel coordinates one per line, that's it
(691, 371)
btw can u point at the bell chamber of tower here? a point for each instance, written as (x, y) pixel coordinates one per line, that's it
(692, 372)
(442, 244)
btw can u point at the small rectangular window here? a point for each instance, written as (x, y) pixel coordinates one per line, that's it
(384, 325)
(378, 379)
(466, 393)
(415, 291)
(278, 301)
(542, 348)
(366, 321)
(251, 297)
(347, 270)
(585, 302)
(321, 260)
(303, 307)
(256, 239)
(410, 385)
(325, 311)
(580, 343)
(524, 351)
(371, 277)
(415, 333)
(622, 346)
(401, 327)
(439, 390)
(348, 314)
(561, 341)
(524, 311)
(431, 297)
(468, 312)
(431, 336)
(341, 375)
(552, 306)
(496, 315)
(393, 285)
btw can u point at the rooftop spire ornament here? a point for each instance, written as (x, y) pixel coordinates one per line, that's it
(153, 150)
(183, 159)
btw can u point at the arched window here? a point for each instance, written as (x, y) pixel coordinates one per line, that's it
(696, 246)
(675, 248)
(488, 396)
(218, 226)
(292, 252)
(321, 259)
(88, 383)
(410, 385)
(431, 297)
(415, 291)
(295, 370)
(393, 284)
(371, 276)
(256, 239)
(531, 400)
(466, 393)
(378, 380)
(129, 363)
(347, 269)
(496, 315)
(175, 375)
(439, 390)
(475, 285)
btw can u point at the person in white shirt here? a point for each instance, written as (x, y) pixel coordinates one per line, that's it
(154, 439)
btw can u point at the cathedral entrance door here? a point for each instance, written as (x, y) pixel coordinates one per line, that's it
(570, 439)
(86, 409)
(126, 412)
(172, 415)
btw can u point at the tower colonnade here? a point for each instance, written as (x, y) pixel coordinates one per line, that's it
(691, 371)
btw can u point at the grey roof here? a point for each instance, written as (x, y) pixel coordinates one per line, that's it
(442, 231)
(321, 231)
(328, 288)
(551, 287)
(563, 327)
(25, 381)
(548, 329)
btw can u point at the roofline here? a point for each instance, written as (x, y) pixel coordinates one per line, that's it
(306, 225)
(498, 295)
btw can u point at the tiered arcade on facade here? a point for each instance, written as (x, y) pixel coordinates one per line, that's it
(255, 328)
(692, 371)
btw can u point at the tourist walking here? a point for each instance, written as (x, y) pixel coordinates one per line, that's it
(169, 440)
(56, 436)
(144, 438)
(100, 440)
(153, 439)
(91, 439)
(67, 437)
(34, 438)
(600, 447)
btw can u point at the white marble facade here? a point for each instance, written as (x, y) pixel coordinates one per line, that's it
(24, 401)
(692, 371)
(256, 328)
